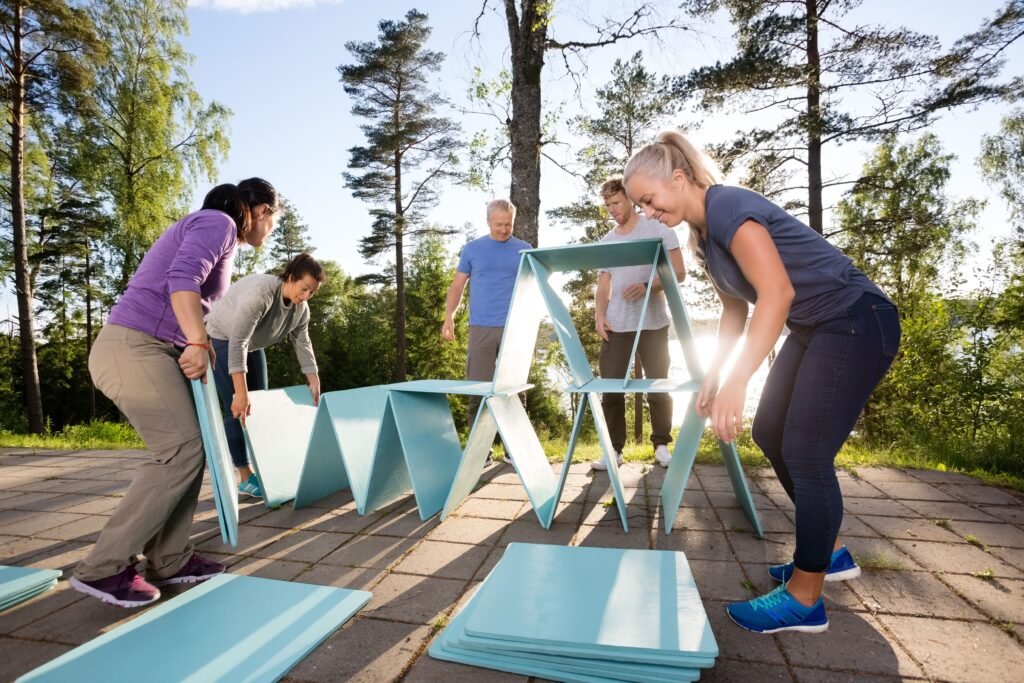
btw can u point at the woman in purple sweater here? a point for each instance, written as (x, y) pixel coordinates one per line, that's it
(154, 342)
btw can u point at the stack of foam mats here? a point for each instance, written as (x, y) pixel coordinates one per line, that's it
(230, 628)
(584, 614)
(18, 584)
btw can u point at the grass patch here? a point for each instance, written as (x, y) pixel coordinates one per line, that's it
(749, 585)
(611, 502)
(93, 436)
(985, 574)
(1007, 627)
(944, 523)
(973, 540)
(878, 562)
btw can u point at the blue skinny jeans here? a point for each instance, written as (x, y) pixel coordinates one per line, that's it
(255, 380)
(815, 391)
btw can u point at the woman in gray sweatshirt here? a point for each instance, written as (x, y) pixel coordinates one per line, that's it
(256, 312)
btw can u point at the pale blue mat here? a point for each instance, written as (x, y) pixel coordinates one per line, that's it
(584, 614)
(276, 435)
(18, 584)
(608, 603)
(218, 457)
(232, 628)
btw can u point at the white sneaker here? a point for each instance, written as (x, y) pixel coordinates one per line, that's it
(601, 465)
(662, 455)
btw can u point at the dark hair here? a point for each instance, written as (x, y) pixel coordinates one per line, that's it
(302, 265)
(238, 201)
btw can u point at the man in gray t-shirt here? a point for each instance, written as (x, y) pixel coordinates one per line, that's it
(617, 306)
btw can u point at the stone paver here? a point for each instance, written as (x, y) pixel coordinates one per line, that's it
(925, 608)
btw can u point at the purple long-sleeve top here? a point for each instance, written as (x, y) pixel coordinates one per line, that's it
(193, 255)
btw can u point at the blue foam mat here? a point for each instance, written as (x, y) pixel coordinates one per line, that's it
(276, 435)
(545, 597)
(230, 628)
(18, 584)
(218, 457)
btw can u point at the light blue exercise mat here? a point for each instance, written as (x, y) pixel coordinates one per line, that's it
(18, 584)
(232, 628)
(609, 603)
(276, 436)
(218, 457)
(584, 614)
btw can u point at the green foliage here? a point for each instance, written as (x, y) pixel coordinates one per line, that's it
(813, 77)
(900, 226)
(151, 132)
(409, 150)
(291, 237)
(431, 270)
(954, 393)
(543, 400)
(94, 435)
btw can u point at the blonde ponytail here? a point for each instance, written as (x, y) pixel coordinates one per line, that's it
(672, 151)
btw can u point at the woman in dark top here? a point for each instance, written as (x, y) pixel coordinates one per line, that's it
(844, 334)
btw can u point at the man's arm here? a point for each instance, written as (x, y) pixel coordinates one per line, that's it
(452, 304)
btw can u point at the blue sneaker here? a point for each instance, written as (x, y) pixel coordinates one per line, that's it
(779, 611)
(251, 487)
(841, 568)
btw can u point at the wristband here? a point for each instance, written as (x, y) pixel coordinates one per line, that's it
(204, 347)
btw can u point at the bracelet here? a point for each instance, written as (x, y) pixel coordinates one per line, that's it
(204, 347)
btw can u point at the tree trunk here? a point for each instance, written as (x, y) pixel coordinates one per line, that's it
(814, 127)
(399, 268)
(88, 324)
(527, 36)
(22, 284)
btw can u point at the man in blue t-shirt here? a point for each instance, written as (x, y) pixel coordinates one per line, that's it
(492, 263)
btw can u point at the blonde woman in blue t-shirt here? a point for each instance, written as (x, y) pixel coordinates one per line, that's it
(844, 334)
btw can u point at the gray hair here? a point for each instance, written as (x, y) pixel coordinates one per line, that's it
(500, 205)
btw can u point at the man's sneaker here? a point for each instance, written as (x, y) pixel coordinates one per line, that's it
(601, 465)
(197, 569)
(663, 455)
(251, 487)
(841, 568)
(779, 611)
(126, 589)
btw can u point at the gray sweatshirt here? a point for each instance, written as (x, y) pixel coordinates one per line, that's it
(253, 315)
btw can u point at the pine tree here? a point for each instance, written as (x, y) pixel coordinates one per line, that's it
(797, 62)
(46, 58)
(410, 150)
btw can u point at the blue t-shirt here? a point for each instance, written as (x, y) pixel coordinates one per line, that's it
(492, 267)
(824, 279)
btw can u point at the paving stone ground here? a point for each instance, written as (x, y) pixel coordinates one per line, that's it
(941, 598)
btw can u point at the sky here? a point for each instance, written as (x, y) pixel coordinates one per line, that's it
(274, 64)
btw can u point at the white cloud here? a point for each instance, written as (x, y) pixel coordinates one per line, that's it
(248, 6)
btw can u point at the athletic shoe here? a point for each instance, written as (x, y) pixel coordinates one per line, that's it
(663, 455)
(251, 487)
(197, 569)
(126, 589)
(841, 568)
(779, 611)
(601, 465)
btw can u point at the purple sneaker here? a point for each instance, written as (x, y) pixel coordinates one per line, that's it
(197, 569)
(126, 589)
